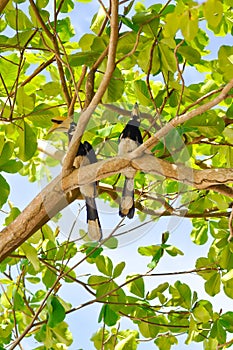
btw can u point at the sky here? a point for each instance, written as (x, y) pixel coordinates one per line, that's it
(84, 323)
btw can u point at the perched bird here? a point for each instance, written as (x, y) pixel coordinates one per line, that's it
(129, 140)
(85, 155)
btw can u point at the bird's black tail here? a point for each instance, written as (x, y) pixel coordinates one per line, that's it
(127, 200)
(94, 227)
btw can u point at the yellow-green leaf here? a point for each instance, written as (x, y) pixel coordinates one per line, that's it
(26, 141)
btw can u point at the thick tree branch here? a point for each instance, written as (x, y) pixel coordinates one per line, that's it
(50, 150)
(54, 198)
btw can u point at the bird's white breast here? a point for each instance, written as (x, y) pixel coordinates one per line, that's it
(126, 145)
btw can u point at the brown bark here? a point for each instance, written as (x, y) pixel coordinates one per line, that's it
(3, 4)
(55, 196)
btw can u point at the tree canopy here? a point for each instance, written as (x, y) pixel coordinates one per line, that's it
(165, 56)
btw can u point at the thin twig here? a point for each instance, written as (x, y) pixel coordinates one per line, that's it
(133, 49)
(56, 52)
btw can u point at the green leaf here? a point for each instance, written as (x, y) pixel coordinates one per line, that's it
(33, 280)
(141, 92)
(92, 251)
(173, 251)
(155, 250)
(210, 344)
(172, 23)
(19, 22)
(150, 324)
(226, 320)
(50, 249)
(80, 58)
(111, 243)
(86, 41)
(104, 265)
(165, 342)
(109, 316)
(181, 294)
(190, 54)
(128, 343)
(48, 278)
(98, 20)
(106, 131)
(127, 22)
(19, 303)
(228, 288)
(118, 269)
(157, 291)
(225, 61)
(95, 281)
(25, 103)
(62, 334)
(67, 5)
(66, 251)
(3, 25)
(213, 11)
(50, 89)
(56, 312)
(65, 28)
(209, 124)
(150, 250)
(212, 285)
(136, 286)
(215, 330)
(165, 237)
(27, 142)
(203, 311)
(115, 87)
(31, 254)
(42, 3)
(70, 274)
(199, 235)
(12, 166)
(226, 257)
(148, 20)
(189, 24)
(144, 63)
(5, 191)
(227, 276)
(6, 152)
(168, 62)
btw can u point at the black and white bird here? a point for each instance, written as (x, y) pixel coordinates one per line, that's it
(129, 140)
(85, 155)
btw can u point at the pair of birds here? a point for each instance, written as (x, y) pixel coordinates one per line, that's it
(129, 140)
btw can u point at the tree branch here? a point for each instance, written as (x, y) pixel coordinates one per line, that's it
(86, 115)
(55, 197)
(3, 4)
(153, 140)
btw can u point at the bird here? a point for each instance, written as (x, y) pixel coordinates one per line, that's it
(129, 139)
(84, 156)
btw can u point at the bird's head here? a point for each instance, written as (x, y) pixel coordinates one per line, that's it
(66, 125)
(135, 114)
(60, 124)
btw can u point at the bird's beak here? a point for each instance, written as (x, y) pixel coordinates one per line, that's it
(135, 111)
(60, 124)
